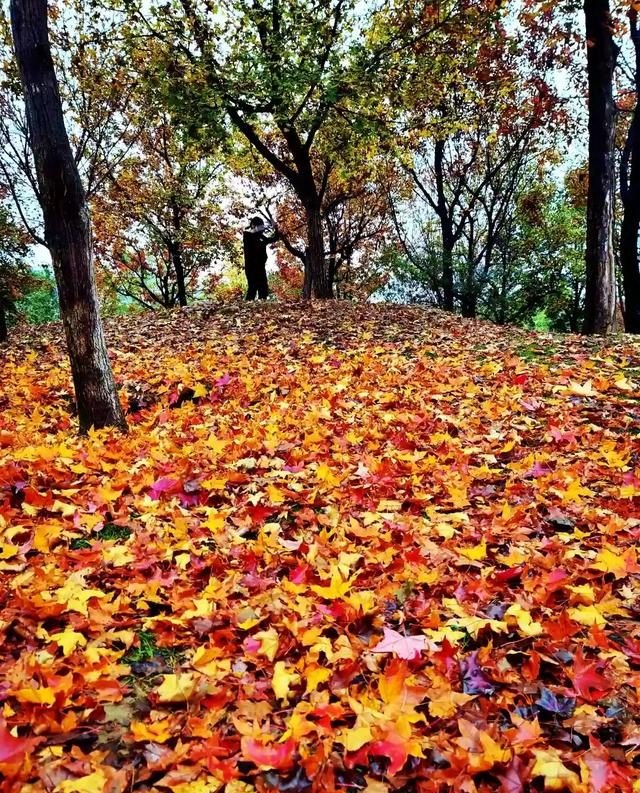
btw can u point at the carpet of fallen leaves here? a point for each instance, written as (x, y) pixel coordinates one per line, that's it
(359, 548)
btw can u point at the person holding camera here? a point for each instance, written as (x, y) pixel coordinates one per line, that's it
(254, 243)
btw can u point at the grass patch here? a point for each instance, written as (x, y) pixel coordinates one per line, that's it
(147, 651)
(533, 353)
(110, 531)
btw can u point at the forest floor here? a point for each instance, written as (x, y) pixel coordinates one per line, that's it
(343, 547)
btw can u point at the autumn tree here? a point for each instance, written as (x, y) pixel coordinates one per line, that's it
(600, 299)
(539, 259)
(470, 149)
(96, 88)
(355, 222)
(67, 228)
(158, 222)
(285, 74)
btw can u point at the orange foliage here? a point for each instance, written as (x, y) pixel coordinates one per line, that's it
(342, 547)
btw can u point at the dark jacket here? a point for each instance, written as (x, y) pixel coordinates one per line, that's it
(255, 247)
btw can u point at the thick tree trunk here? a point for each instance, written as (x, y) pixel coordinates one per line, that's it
(4, 334)
(66, 219)
(600, 295)
(446, 228)
(315, 261)
(630, 194)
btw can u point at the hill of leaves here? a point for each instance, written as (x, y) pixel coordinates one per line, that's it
(359, 548)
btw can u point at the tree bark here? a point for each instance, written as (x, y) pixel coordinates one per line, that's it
(66, 220)
(630, 195)
(446, 228)
(600, 295)
(315, 259)
(175, 250)
(4, 334)
(469, 305)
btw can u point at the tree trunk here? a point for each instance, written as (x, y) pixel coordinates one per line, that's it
(629, 264)
(175, 250)
(315, 261)
(600, 295)
(307, 285)
(66, 220)
(630, 194)
(469, 305)
(446, 228)
(4, 335)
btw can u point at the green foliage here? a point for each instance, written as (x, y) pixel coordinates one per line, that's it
(536, 274)
(539, 277)
(40, 303)
(15, 277)
(540, 321)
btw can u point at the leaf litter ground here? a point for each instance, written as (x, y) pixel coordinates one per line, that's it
(342, 548)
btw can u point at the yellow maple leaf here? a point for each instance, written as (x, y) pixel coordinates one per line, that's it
(75, 595)
(557, 777)
(157, 731)
(269, 641)
(444, 703)
(355, 738)
(587, 615)
(581, 390)
(584, 593)
(215, 521)
(37, 696)
(283, 679)
(92, 783)
(8, 551)
(177, 687)
(217, 444)
(477, 553)
(337, 588)
(206, 660)
(275, 495)
(526, 625)
(316, 676)
(365, 600)
(483, 752)
(574, 492)
(609, 560)
(326, 475)
(207, 785)
(117, 556)
(45, 535)
(68, 640)
(445, 530)
(236, 786)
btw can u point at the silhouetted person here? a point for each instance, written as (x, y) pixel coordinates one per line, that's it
(254, 242)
